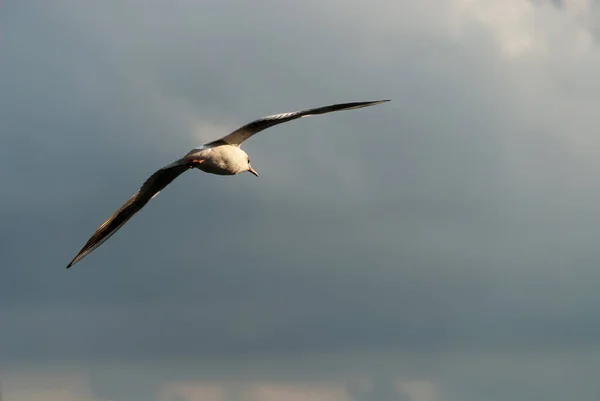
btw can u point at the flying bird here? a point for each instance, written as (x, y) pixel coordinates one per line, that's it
(222, 157)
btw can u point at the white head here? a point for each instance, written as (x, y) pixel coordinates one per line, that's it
(248, 166)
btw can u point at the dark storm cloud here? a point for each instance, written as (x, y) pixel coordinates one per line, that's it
(457, 217)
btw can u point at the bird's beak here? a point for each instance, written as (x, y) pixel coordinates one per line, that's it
(250, 169)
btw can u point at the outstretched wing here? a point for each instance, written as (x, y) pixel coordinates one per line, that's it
(151, 187)
(241, 134)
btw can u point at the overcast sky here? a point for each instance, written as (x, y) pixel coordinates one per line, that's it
(440, 247)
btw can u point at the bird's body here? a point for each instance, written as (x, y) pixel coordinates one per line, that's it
(221, 157)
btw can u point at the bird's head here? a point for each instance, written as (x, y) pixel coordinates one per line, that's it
(250, 169)
(248, 166)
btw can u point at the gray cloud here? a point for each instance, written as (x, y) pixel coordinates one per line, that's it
(459, 217)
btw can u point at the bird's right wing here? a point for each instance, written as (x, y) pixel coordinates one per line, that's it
(151, 187)
(243, 133)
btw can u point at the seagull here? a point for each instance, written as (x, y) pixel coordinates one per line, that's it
(222, 157)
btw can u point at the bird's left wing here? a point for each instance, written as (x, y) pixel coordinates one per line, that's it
(151, 187)
(243, 133)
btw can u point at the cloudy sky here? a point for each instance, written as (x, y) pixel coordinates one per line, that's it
(441, 247)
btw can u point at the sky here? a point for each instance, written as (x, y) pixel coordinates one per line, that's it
(439, 247)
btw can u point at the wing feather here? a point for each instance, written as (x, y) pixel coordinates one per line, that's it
(151, 187)
(240, 135)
